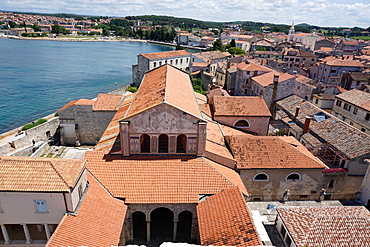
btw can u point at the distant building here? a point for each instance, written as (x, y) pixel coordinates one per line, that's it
(353, 107)
(180, 59)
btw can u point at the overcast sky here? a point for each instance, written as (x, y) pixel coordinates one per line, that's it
(333, 13)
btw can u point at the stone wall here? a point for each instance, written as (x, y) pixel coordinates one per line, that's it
(22, 145)
(257, 125)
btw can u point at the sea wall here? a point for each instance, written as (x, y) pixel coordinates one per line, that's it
(23, 144)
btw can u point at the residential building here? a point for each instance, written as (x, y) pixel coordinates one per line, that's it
(35, 194)
(180, 59)
(84, 121)
(275, 85)
(299, 58)
(358, 80)
(245, 112)
(321, 43)
(328, 138)
(331, 69)
(353, 107)
(323, 226)
(269, 166)
(209, 57)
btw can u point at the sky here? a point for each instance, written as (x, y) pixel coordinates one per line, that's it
(325, 13)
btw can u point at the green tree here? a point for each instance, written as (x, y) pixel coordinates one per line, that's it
(179, 47)
(12, 24)
(197, 84)
(36, 28)
(260, 48)
(232, 43)
(59, 29)
(106, 32)
(236, 51)
(218, 46)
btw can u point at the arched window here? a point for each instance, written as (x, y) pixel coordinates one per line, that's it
(145, 143)
(163, 143)
(181, 144)
(261, 177)
(242, 123)
(293, 177)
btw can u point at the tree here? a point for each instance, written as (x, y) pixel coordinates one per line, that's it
(12, 24)
(59, 29)
(36, 28)
(106, 32)
(179, 47)
(260, 48)
(232, 43)
(218, 46)
(236, 51)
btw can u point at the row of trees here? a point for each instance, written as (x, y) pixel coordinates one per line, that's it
(231, 47)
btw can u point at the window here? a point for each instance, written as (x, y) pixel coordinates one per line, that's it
(316, 101)
(355, 110)
(170, 61)
(181, 60)
(187, 60)
(177, 61)
(181, 144)
(363, 129)
(339, 103)
(163, 143)
(155, 64)
(367, 117)
(261, 177)
(160, 64)
(242, 123)
(293, 177)
(40, 206)
(145, 143)
(351, 123)
(331, 184)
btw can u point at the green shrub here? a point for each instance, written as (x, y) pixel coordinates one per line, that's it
(28, 126)
(132, 89)
(56, 114)
(40, 121)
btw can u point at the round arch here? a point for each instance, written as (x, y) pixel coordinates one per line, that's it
(181, 143)
(261, 177)
(293, 176)
(161, 225)
(139, 227)
(242, 123)
(144, 143)
(163, 143)
(184, 227)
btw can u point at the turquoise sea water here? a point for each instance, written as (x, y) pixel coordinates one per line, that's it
(39, 77)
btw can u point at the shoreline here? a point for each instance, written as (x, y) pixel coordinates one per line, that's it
(100, 39)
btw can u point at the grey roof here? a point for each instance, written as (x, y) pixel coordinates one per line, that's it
(345, 138)
(356, 97)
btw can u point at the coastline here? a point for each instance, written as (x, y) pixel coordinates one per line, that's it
(101, 39)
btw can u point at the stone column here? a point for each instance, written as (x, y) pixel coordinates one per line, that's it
(148, 231)
(174, 230)
(27, 234)
(5, 234)
(47, 231)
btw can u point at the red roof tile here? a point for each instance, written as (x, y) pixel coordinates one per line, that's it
(225, 220)
(240, 106)
(271, 152)
(107, 102)
(98, 221)
(327, 226)
(155, 179)
(167, 54)
(39, 174)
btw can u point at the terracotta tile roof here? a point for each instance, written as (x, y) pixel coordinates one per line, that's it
(203, 65)
(218, 91)
(225, 220)
(156, 179)
(356, 97)
(98, 221)
(271, 152)
(350, 141)
(252, 67)
(107, 102)
(205, 109)
(345, 63)
(240, 106)
(268, 78)
(39, 174)
(110, 141)
(166, 54)
(327, 226)
(78, 102)
(209, 55)
(165, 84)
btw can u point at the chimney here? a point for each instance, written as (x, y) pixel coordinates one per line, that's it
(306, 124)
(297, 111)
(274, 92)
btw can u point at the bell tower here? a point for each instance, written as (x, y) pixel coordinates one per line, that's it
(291, 33)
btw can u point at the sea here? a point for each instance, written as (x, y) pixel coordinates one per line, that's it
(38, 77)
